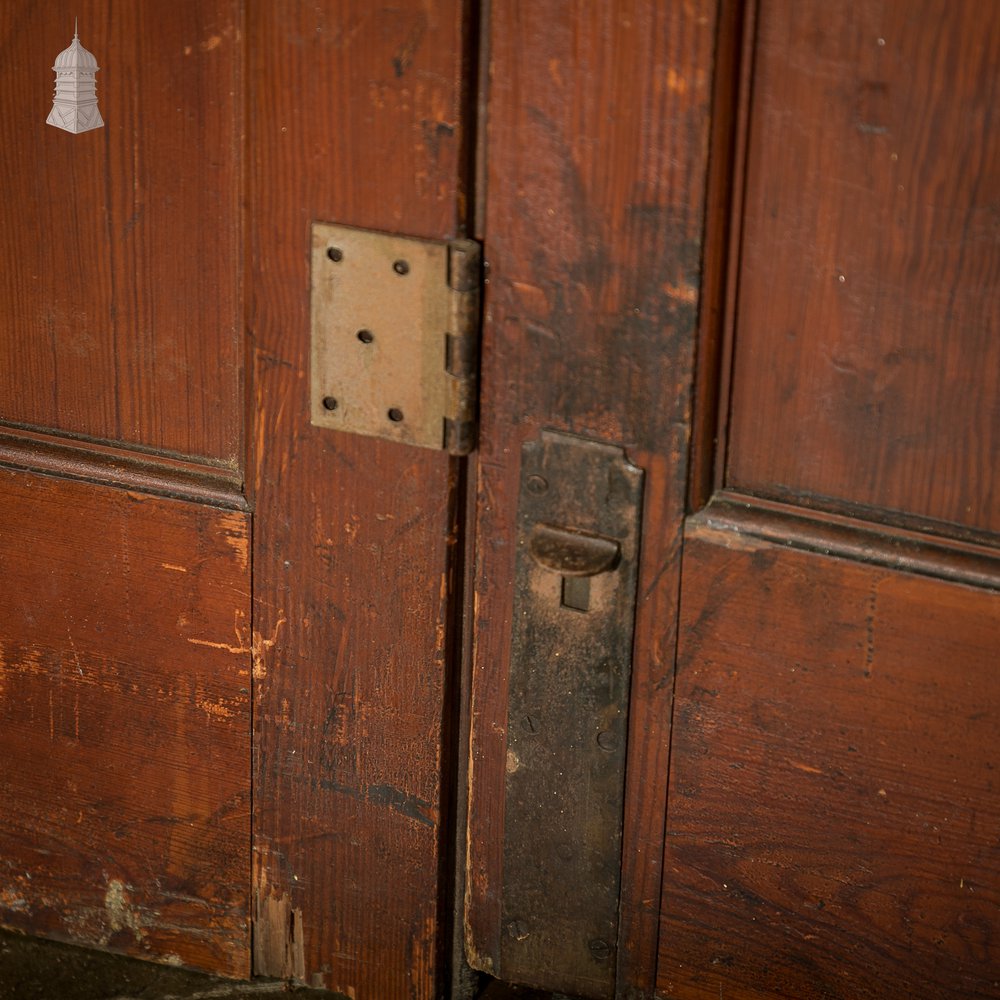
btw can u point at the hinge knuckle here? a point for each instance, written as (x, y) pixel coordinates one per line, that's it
(464, 271)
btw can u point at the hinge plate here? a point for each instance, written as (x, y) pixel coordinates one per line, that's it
(395, 340)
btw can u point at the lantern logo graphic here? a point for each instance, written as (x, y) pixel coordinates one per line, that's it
(75, 106)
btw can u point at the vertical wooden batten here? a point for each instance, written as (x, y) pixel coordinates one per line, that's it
(354, 116)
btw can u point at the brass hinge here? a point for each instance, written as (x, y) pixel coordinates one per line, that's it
(395, 336)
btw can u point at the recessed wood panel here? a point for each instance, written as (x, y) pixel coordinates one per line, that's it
(833, 813)
(120, 246)
(866, 347)
(124, 721)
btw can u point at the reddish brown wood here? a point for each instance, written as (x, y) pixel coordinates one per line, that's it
(833, 809)
(724, 197)
(866, 348)
(355, 116)
(154, 474)
(120, 284)
(124, 721)
(596, 161)
(853, 538)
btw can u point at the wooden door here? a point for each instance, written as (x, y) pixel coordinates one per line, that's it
(833, 811)
(204, 725)
(751, 245)
(755, 245)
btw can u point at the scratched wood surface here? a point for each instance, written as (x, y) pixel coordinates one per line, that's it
(833, 815)
(355, 116)
(869, 284)
(119, 289)
(596, 159)
(124, 721)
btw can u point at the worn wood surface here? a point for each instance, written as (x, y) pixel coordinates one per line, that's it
(833, 815)
(869, 286)
(124, 721)
(596, 160)
(354, 116)
(120, 284)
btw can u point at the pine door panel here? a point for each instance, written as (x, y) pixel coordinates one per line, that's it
(833, 792)
(124, 721)
(120, 290)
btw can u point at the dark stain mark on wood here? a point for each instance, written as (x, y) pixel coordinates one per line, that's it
(404, 56)
(387, 796)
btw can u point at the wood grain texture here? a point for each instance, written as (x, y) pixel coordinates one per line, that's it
(833, 816)
(125, 722)
(120, 286)
(596, 161)
(355, 117)
(866, 347)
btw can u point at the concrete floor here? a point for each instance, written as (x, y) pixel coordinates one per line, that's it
(33, 969)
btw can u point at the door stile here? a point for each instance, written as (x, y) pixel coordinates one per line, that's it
(597, 142)
(357, 116)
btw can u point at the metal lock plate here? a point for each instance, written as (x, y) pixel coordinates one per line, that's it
(395, 336)
(571, 659)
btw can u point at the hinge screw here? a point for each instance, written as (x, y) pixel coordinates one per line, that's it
(396, 415)
(607, 741)
(536, 485)
(600, 949)
(329, 403)
(335, 254)
(401, 267)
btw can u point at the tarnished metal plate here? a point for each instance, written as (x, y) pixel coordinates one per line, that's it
(574, 611)
(394, 336)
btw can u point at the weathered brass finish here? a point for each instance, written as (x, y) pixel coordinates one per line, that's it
(395, 336)
(574, 610)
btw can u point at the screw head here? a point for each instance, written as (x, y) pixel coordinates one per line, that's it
(366, 336)
(395, 415)
(600, 949)
(401, 267)
(607, 741)
(329, 403)
(335, 254)
(536, 485)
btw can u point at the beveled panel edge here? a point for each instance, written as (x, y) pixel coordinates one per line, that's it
(739, 515)
(108, 465)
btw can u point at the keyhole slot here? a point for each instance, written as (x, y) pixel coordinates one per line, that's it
(576, 593)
